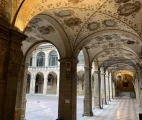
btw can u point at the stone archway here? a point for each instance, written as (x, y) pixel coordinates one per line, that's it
(39, 81)
(52, 83)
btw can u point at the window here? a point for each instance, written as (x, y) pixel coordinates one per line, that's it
(81, 58)
(53, 58)
(40, 59)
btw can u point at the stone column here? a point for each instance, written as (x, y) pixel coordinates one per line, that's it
(46, 58)
(10, 63)
(58, 80)
(33, 59)
(100, 97)
(103, 86)
(109, 88)
(21, 93)
(112, 87)
(97, 89)
(32, 85)
(88, 92)
(67, 89)
(105, 94)
(45, 85)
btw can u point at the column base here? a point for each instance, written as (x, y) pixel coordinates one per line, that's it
(88, 114)
(140, 116)
(23, 118)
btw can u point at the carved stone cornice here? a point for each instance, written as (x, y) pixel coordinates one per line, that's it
(11, 34)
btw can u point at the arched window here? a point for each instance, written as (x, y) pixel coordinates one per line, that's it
(53, 58)
(81, 58)
(40, 59)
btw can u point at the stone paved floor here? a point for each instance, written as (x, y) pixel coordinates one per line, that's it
(41, 107)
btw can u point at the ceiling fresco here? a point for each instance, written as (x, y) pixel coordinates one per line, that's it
(126, 11)
(116, 73)
(109, 30)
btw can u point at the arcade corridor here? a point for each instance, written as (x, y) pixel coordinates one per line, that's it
(41, 107)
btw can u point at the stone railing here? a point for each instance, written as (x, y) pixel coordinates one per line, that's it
(45, 68)
(51, 68)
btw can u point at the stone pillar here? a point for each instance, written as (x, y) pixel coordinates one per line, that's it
(33, 59)
(58, 80)
(21, 93)
(67, 89)
(103, 86)
(112, 87)
(10, 63)
(109, 88)
(97, 89)
(32, 85)
(46, 58)
(105, 94)
(88, 92)
(45, 85)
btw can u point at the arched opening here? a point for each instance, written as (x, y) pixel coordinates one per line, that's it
(124, 85)
(39, 82)
(43, 84)
(52, 83)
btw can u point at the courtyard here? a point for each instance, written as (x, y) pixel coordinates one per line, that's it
(41, 107)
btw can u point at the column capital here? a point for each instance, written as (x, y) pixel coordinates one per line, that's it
(97, 71)
(88, 68)
(103, 74)
(16, 36)
(64, 60)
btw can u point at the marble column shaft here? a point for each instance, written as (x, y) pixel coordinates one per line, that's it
(88, 92)
(45, 86)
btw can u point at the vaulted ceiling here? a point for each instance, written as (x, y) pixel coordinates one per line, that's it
(109, 30)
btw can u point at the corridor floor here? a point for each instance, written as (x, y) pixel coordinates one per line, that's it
(41, 107)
